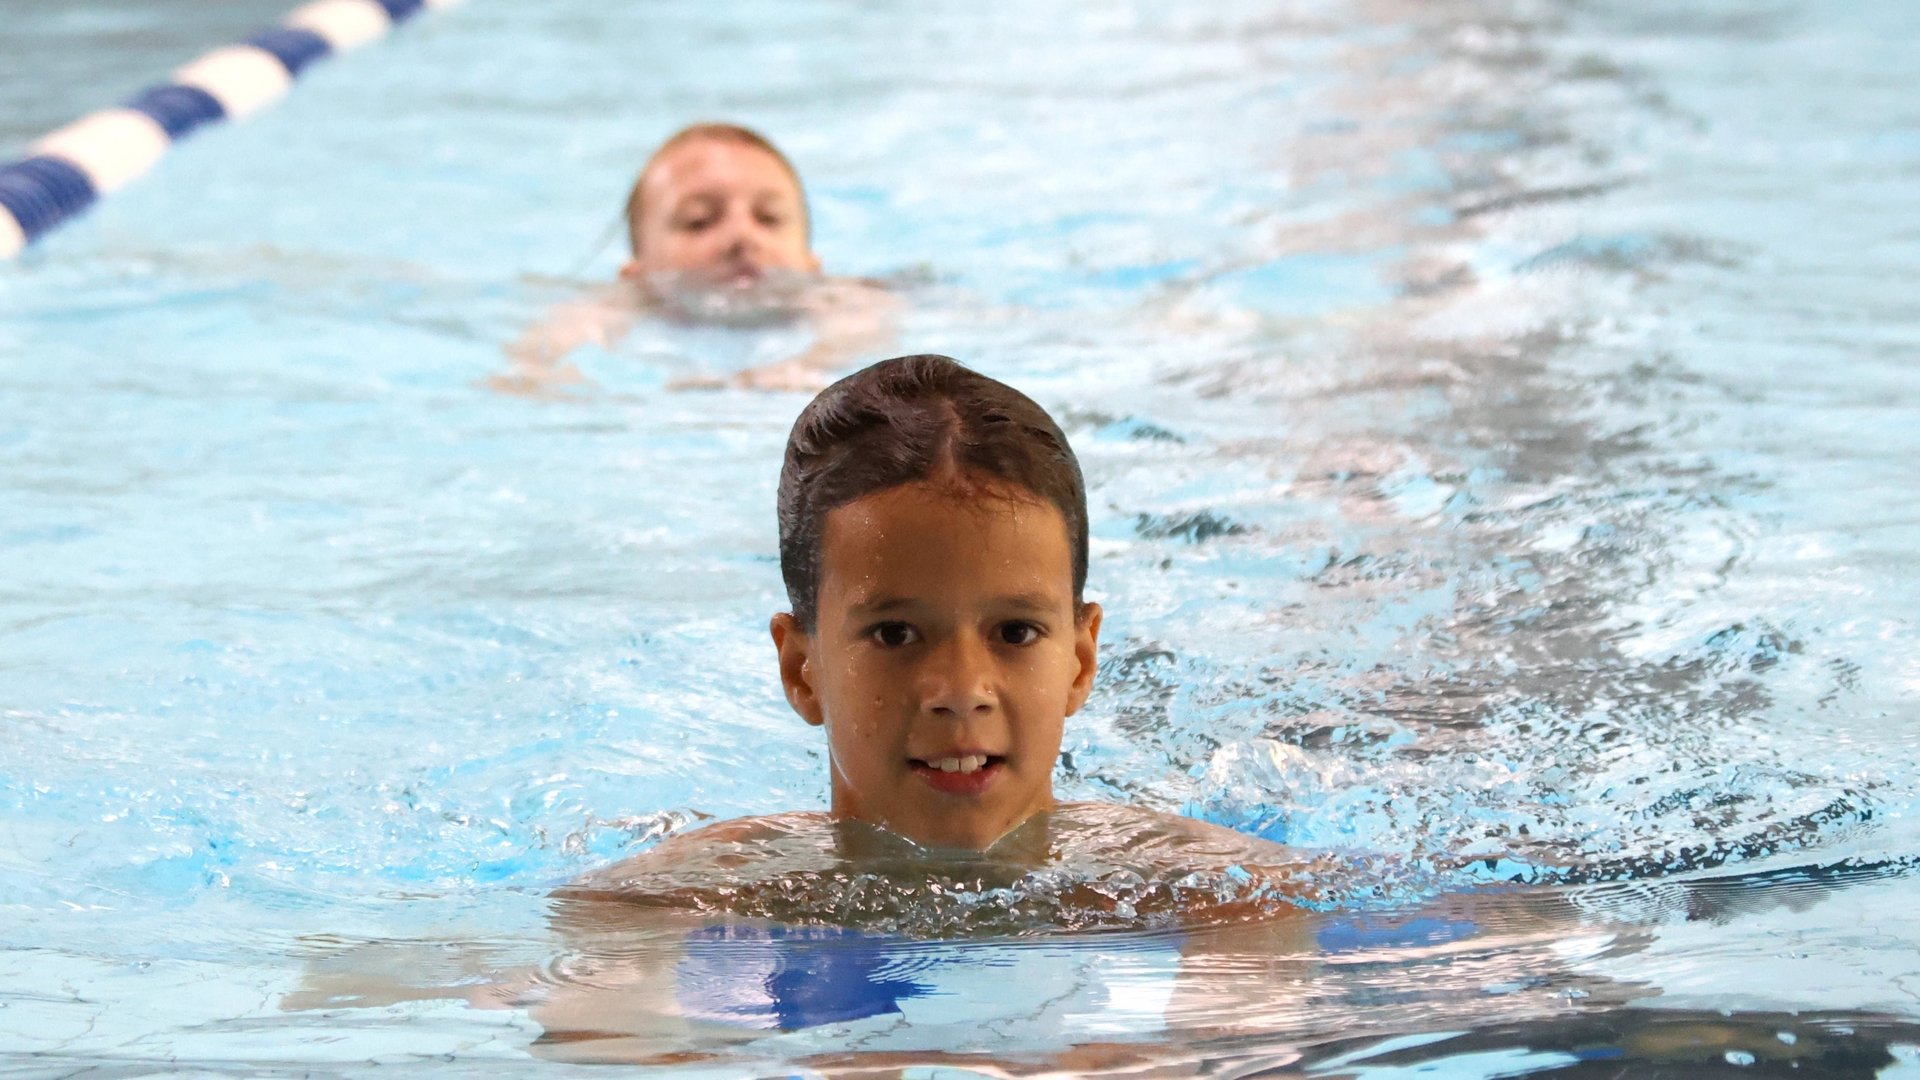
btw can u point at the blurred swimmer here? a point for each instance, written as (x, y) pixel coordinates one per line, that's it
(721, 205)
(719, 233)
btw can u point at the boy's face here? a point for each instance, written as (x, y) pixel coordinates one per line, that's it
(945, 659)
(723, 211)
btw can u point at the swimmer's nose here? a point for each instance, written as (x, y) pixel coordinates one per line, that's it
(741, 255)
(743, 238)
(958, 679)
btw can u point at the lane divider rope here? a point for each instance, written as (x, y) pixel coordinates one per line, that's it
(67, 170)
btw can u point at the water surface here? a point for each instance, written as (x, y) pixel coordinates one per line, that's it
(1498, 421)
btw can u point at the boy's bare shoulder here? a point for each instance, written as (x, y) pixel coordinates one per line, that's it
(736, 830)
(1199, 871)
(723, 845)
(1208, 831)
(1153, 841)
(1176, 830)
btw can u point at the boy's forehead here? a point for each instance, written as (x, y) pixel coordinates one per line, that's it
(917, 537)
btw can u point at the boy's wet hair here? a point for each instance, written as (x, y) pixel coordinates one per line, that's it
(908, 419)
(732, 133)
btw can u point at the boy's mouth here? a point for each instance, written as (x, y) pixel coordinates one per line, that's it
(960, 774)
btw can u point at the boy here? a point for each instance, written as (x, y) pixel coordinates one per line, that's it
(933, 540)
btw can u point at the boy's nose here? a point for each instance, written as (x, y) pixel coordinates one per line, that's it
(958, 681)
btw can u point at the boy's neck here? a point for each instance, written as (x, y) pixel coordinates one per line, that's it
(1026, 844)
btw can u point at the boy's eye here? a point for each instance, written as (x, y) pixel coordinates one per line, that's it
(893, 635)
(1019, 633)
(772, 220)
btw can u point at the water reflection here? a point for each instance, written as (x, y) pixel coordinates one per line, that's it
(1506, 967)
(1506, 973)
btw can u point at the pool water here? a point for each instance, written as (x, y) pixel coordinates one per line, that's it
(1499, 423)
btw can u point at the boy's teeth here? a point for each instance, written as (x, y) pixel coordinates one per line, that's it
(967, 764)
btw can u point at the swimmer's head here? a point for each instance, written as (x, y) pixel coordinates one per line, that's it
(918, 419)
(718, 203)
(933, 537)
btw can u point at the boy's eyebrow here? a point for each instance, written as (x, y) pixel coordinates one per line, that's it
(879, 605)
(1034, 602)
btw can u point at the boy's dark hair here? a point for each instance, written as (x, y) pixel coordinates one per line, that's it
(907, 419)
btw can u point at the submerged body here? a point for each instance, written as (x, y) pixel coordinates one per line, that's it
(844, 319)
(753, 934)
(1079, 866)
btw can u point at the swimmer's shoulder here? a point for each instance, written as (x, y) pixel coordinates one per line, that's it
(1185, 833)
(1156, 844)
(850, 295)
(720, 845)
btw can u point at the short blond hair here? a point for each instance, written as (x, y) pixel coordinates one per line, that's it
(719, 132)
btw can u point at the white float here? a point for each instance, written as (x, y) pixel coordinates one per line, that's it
(12, 237)
(112, 146)
(345, 24)
(243, 78)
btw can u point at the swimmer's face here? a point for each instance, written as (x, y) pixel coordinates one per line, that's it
(721, 211)
(946, 635)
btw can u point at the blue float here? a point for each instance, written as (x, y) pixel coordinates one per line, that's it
(42, 192)
(294, 48)
(178, 109)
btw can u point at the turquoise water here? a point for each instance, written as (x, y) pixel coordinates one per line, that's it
(1498, 421)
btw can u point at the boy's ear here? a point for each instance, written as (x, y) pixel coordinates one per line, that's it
(796, 671)
(1086, 650)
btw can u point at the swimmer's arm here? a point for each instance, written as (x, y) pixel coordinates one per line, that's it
(851, 320)
(538, 357)
(706, 846)
(1284, 876)
(616, 1000)
(371, 974)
